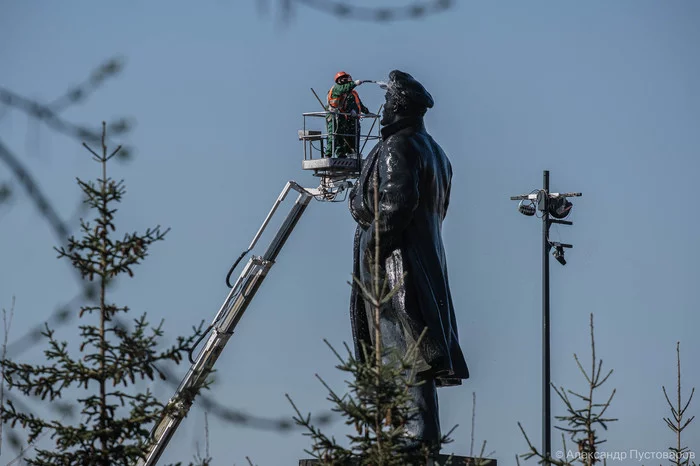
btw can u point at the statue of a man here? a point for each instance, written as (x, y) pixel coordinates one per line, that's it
(413, 178)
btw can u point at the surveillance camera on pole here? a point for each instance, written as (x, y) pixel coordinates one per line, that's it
(554, 208)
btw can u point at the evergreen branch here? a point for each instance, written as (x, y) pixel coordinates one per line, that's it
(677, 425)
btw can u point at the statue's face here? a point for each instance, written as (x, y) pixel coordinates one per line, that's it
(389, 112)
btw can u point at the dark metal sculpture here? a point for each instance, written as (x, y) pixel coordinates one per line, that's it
(413, 176)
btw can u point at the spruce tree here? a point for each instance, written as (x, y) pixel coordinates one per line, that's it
(115, 417)
(377, 406)
(583, 419)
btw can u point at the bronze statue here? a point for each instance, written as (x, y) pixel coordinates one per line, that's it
(413, 177)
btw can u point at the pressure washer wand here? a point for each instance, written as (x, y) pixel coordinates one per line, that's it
(381, 84)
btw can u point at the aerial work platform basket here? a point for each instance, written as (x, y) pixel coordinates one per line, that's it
(321, 146)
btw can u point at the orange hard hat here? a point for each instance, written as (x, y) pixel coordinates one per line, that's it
(340, 74)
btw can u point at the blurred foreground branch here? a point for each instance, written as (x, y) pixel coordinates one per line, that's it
(347, 10)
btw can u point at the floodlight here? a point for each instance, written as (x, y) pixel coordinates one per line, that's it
(526, 209)
(559, 207)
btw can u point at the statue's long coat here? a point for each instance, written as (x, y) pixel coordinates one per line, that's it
(414, 178)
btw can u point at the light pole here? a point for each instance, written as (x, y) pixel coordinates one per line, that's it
(554, 208)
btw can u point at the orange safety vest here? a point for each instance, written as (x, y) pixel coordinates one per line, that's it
(339, 102)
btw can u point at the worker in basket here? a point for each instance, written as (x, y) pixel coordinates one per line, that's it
(344, 130)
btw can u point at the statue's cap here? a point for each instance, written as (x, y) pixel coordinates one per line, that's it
(404, 85)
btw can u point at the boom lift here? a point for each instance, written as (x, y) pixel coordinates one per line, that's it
(336, 178)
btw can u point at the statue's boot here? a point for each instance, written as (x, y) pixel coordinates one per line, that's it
(424, 428)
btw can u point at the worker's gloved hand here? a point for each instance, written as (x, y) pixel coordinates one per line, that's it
(353, 113)
(358, 82)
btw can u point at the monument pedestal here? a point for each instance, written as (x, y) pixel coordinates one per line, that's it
(442, 460)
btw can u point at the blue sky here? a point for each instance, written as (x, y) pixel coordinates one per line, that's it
(605, 95)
